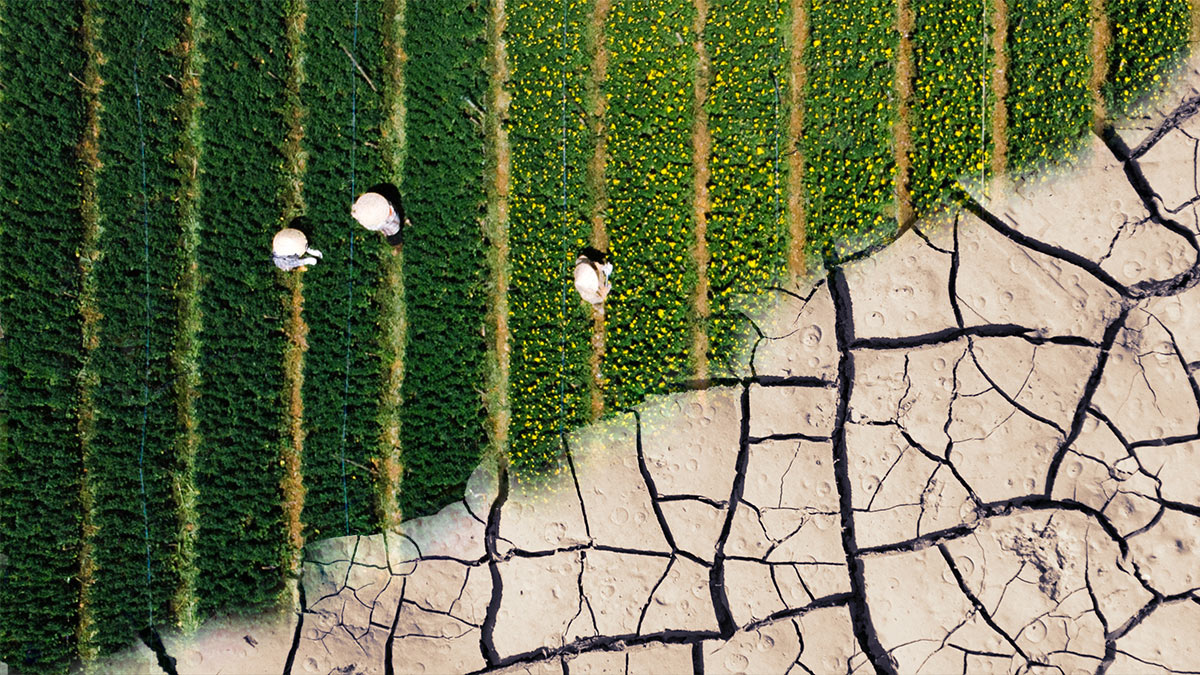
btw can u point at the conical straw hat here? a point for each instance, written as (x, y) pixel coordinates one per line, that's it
(371, 209)
(289, 241)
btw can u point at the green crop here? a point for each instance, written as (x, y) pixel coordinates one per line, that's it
(442, 421)
(952, 101)
(849, 112)
(1049, 107)
(42, 117)
(240, 411)
(650, 88)
(550, 333)
(135, 279)
(1148, 38)
(341, 296)
(747, 233)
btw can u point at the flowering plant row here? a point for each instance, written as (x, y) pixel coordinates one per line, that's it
(40, 469)
(340, 296)
(132, 359)
(239, 411)
(951, 102)
(550, 326)
(1049, 107)
(443, 421)
(849, 113)
(650, 91)
(1148, 39)
(746, 234)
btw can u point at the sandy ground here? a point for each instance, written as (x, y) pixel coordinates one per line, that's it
(973, 452)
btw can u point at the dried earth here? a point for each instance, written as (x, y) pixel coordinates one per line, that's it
(973, 452)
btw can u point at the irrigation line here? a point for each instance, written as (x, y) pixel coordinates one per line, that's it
(137, 94)
(350, 281)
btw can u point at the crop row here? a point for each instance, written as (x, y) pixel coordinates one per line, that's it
(342, 366)
(136, 426)
(649, 88)
(443, 420)
(240, 542)
(40, 469)
(1148, 38)
(549, 148)
(951, 100)
(1049, 107)
(849, 113)
(747, 234)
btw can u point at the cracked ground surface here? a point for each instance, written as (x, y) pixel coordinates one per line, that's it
(975, 451)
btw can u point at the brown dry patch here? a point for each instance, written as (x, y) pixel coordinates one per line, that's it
(496, 226)
(395, 325)
(596, 186)
(905, 21)
(1101, 39)
(88, 152)
(999, 87)
(1195, 17)
(798, 78)
(292, 482)
(184, 351)
(701, 151)
(293, 364)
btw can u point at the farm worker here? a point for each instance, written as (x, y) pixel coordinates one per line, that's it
(290, 250)
(376, 212)
(591, 277)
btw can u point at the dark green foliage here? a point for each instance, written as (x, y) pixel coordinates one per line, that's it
(549, 371)
(144, 35)
(42, 114)
(239, 411)
(1148, 39)
(331, 86)
(442, 422)
(1049, 107)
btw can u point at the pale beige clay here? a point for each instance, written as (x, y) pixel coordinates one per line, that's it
(973, 452)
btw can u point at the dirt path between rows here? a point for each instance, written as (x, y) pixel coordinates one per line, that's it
(797, 215)
(184, 351)
(395, 323)
(498, 179)
(89, 156)
(701, 152)
(999, 87)
(1101, 39)
(596, 187)
(292, 482)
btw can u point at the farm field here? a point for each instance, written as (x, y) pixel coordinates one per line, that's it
(178, 418)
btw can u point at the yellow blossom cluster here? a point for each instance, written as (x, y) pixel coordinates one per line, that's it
(951, 101)
(746, 232)
(1049, 105)
(849, 114)
(549, 146)
(1148, 38)
(649, 179)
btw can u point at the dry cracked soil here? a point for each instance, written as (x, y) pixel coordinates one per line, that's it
(975, 451)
